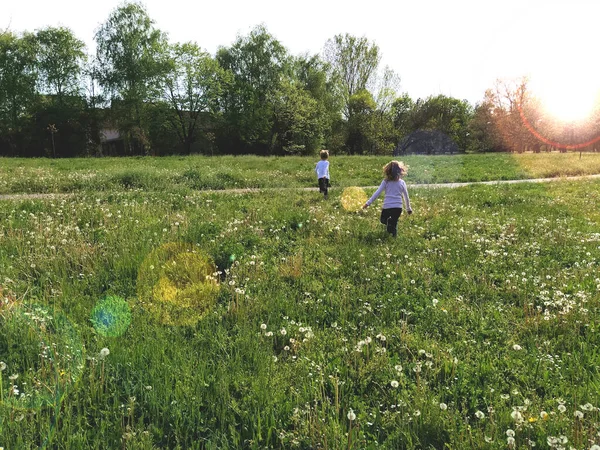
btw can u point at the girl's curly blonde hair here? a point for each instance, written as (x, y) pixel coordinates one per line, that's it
(393, 170)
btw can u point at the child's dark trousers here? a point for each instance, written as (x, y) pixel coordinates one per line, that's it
(323, 185)
(389, 217)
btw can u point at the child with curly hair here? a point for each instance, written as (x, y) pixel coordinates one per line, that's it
(395, 191)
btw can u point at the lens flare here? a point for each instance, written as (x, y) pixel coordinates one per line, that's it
(353, 198)
(42, 356)
(551, 142)
(177, 284)
(111, 316)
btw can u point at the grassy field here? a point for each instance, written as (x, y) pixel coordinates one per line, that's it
(202, 173)
(477, 327)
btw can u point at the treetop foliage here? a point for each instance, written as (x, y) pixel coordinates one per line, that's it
(142, 94)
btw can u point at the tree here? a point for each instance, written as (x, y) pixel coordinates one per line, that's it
(354, 62)
(193, 86)
(257, 63)
(361, 109)
(507, 99)
(299, 123)
(402, 114)
(314, 74)
(60, 58)
(18, 78)
(132, 56)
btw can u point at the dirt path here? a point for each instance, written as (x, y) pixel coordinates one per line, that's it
(57, 196)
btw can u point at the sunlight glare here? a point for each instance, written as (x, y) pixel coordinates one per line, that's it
(563, 72)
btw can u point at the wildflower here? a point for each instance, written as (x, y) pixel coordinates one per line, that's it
(562, 408)
(510, 433)
(398, 368)
(2, 366)
(516, 416)
(104, 352)
(443, 406)
(394, 384)
(351, 415)
(578, 414)
(517, 347)
(510, 441)
(544, 415)
(269, 333)
(586, 407)
(263, 326)
(283, 331)
(595, 447)
(13, 377)
(479, 414)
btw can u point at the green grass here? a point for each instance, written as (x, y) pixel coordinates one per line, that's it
(487, 303)
(18, 175)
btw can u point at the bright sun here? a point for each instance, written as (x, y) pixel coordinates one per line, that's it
(559, 56)
(569, 97)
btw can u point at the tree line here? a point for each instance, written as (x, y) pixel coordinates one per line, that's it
(141, 94)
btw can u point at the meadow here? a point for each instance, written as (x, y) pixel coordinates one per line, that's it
(19, 175)
(157, 315)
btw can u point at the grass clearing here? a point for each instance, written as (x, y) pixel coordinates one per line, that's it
(19, 175)
(476, 326)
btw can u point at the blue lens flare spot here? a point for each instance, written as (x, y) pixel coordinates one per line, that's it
(111, 316)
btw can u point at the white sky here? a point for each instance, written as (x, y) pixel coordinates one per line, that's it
(452, 47)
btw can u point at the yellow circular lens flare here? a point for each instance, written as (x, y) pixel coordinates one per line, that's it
(353, 198)
(177, 284)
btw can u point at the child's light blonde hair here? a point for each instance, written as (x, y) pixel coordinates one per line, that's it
(324, 154)
(393, 170)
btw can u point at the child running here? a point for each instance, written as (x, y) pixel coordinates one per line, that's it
(395, 190)
(322, 170)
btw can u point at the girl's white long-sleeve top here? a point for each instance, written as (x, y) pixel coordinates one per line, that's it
(395, 191)
(322, 169)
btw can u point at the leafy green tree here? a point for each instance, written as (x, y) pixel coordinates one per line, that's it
(61, 125)
(18, 77)
(132, 57)
(314, 74)
(299, 123)
(402, 114)
(193, 88)
(257, 63)
(354, 63)
(360, 124)
(60, 59)
(448, 115)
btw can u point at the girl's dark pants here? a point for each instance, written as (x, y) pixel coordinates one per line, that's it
(389, 217)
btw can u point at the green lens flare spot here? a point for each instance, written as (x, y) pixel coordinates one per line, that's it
(111, 316)
(178, 284)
